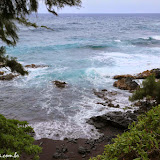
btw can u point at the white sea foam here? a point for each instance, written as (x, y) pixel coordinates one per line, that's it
(71, 127)
(156, 37)
(126, 63)
(117, 40)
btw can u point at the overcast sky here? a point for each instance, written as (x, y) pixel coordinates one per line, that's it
(112, 6)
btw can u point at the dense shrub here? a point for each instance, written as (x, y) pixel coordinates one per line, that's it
(150, 90)
(15, 137)
(141, 142)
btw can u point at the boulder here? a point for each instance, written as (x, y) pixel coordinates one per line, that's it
(117, 119)
(8, 77)
(60, 84)
(35, 66)
(126, 84)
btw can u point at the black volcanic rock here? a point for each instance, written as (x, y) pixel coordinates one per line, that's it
(117, 119)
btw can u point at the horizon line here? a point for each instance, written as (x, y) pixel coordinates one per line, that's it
(103, 13)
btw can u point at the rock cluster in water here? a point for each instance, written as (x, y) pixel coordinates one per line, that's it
(104, 95)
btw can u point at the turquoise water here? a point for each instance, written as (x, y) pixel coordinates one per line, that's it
(85, 51)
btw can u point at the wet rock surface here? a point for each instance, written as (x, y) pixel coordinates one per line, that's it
(126, 84)
(60, 84)
(35, 66)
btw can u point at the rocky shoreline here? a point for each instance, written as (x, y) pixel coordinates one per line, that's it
(109, 124)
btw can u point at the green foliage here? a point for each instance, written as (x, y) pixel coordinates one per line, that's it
(15, 137)
(150, 90)
(11, 62)
(141, 142)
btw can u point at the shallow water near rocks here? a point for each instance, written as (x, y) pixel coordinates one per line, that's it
(85, 51)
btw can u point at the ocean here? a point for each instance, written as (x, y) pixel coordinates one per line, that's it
(86, 51)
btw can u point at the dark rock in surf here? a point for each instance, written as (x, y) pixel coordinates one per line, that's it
(60, 84)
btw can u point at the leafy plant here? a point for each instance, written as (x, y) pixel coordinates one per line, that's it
(150, 90)
(141, 142)
(15, 136)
